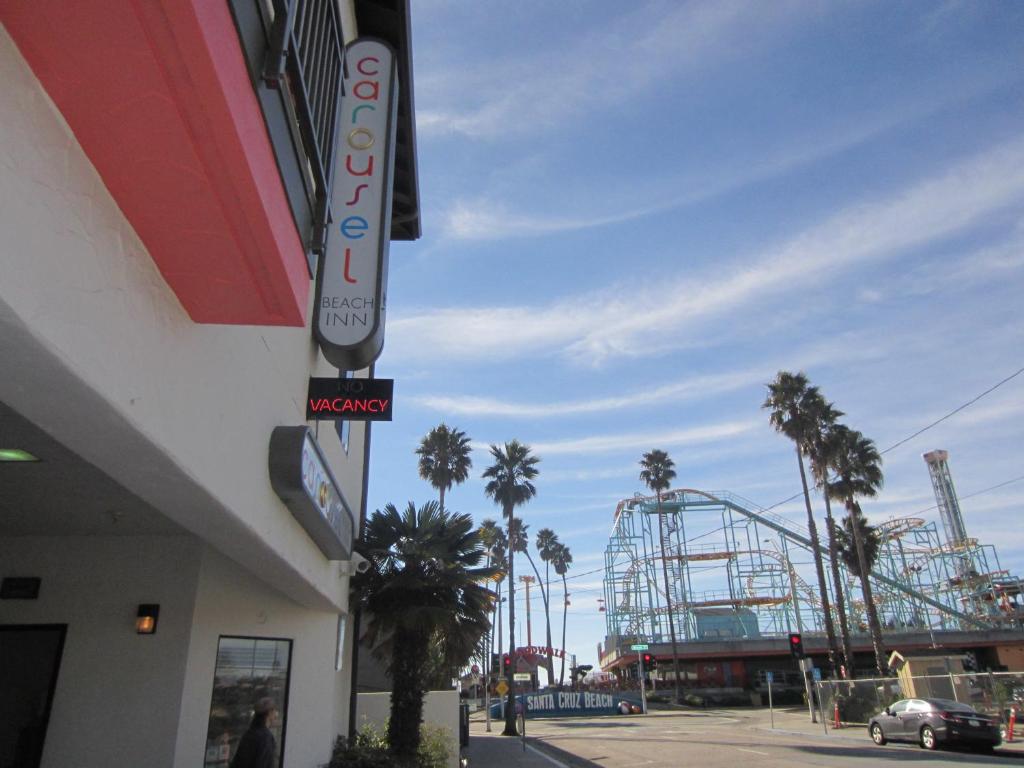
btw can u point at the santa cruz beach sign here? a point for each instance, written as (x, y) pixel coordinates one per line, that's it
(351, 287)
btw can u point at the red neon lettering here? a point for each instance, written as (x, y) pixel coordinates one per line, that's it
(372, 85)
(359, 66)
(353, 172)
(355, 196)
(348, 264)
(343, 404)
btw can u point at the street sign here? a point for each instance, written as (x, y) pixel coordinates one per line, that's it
(639, 647)
(501, 687)
(475, 669)
(769, 677)
(521, 677)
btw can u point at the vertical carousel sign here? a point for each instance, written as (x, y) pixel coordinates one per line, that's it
(351, 290)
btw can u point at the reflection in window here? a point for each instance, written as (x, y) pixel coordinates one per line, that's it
(248, 669)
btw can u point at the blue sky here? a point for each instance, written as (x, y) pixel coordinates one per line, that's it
(634, 214)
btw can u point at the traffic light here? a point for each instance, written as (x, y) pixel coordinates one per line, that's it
(506, 663)
(796, 645)
(495, 662)
(649, 661)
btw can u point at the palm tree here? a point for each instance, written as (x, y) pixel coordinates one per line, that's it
(444, 458)
(848, 547)
(790, 399)
(496, 543)
(857, 467)
(822, 447)
(424, 583)
(546, 542)
(561, 559)
(521, 541)
(510, 485)
(657, 471)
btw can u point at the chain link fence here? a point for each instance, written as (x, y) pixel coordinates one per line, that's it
(854, 702)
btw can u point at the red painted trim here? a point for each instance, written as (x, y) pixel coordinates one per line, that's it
(158, 96)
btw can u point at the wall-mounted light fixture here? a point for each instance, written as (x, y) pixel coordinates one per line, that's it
(16, 454)
(145, 621)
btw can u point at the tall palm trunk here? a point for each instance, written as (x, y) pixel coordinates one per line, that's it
(441, 499)
(549, 664)
(407, 692)
(510, 701)
(874, 625)
(839, 586)
(668, 601)
(565, 610)
(812, 529)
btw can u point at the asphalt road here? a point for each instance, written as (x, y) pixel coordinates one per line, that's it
(715, 738)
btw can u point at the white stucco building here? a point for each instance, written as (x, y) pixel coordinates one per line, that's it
(160, 209)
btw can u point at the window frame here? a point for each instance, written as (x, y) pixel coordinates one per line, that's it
(284, 704)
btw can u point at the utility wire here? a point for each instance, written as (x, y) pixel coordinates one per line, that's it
(976, 493)
(955, 411)
(921, 431)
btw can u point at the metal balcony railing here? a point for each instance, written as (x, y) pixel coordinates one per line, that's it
(306, 57)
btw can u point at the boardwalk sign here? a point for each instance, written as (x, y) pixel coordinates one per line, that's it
(572, 703)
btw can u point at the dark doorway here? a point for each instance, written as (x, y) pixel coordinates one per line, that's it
(29, 662)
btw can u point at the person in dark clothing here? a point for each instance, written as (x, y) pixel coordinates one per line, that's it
(257, 749)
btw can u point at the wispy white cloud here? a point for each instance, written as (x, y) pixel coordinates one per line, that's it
(616, 323)
(487, 217)
(844, 349)
(645, 440)
(697, 386)
(639, 49)
(980, 266)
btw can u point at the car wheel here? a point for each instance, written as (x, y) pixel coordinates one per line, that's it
(928, 740)
(877, 735)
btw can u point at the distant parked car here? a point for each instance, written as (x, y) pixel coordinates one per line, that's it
(933, 723)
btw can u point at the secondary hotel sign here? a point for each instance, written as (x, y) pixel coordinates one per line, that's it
(300, 476)
(351, 290)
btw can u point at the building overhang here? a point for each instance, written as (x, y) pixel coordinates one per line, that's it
(158, 96)
(389, 21)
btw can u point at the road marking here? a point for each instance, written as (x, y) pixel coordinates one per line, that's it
(752, 751)
(546, 757)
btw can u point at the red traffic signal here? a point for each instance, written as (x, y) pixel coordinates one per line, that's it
(649, 661)
(506, 662)
(796, 645)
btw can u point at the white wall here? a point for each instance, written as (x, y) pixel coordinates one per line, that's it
(440, 708)
(118, 693)
(230, 601)
(98, 352)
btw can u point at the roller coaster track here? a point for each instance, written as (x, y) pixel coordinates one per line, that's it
(689, 497)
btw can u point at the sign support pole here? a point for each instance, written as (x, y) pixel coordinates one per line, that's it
(771, 709)
(805, 668)
(487, 686)
(643, 686)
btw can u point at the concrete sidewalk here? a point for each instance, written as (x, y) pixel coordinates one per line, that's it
(489, 750)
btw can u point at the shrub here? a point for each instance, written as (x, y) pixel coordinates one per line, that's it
(434, 746)
(369, 749)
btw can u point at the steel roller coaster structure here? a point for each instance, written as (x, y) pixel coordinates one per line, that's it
(735, 572)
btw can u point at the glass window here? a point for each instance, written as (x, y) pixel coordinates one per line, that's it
(899, 706)
(339, 653)
(248, 669)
